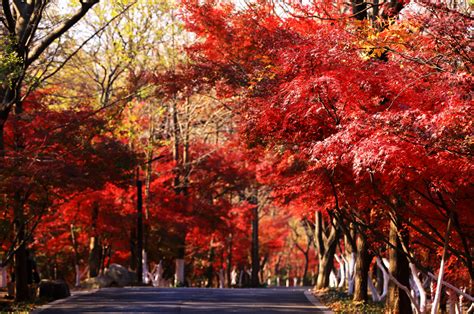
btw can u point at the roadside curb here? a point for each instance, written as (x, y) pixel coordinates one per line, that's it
(73, 296)
(319, 306)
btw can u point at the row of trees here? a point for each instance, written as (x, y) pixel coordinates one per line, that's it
(259, 131)
(364, 120)
(93, 111)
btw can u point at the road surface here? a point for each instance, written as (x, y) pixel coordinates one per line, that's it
(187, 300)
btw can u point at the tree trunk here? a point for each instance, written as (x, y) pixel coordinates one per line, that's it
(359, 9)
(95, 249)
(210, 268)
(398, 302)
(324, 270)
(362, 269)
(439, 285)
(180, 280)
(95, 257)
(139, 230)
(77, 281)
(3, 120)
(380, 280)
(229, 262)
(255, 256)
(21, 264)
(306, 280)
(326, 248)
(262, 268)
(350, 249)
(133, 249)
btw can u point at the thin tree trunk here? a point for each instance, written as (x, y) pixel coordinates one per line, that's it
(2, 132)
(255, 254)
(380, 281)
(382, 265)
(229, 261)
(305, 269)
(439, 284)
(133, 249)
(95, 250)
(21, 255)
(342, 271)
(139, 229)
(180, 275)
(210, 268)
(21, 264)
(419, 287)
(77, 281)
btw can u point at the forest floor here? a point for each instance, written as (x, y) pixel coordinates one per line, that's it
(8, 305)
(341, 302)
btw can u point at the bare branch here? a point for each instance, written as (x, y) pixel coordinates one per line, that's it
(62, 28)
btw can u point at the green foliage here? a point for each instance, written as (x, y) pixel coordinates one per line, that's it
(10, 63)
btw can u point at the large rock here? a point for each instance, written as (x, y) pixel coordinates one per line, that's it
(100, 281)
(119, 275)
(53, 289)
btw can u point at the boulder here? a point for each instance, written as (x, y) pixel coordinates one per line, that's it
(119, 275)
(53, 289)
(100, 281)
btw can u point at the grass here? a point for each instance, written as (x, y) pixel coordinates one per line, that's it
(341, 302)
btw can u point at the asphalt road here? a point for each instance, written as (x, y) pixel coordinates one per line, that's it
(187, 300)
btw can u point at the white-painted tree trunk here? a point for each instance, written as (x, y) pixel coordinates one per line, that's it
(375, 293)
(460, 303)
(439, 281)
(414, 301)
(278, 281)
(418, 285)
(295, 282)
(78, 276)
(471, 308)
(332, 280)
(457, 290)
(386, 277)
(287, 282)
(179, 275)
(351, 273)
(342, 271)
(221, 278)
(439, 285)
(156, 276)
(145, 276)
(452, 302)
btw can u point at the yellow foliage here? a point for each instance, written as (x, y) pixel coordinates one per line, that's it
(374, 42)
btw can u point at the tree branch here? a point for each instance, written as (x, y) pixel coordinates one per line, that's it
(10, 22)
(38, 49)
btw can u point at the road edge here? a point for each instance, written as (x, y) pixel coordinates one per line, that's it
(74, 295)
(319, 306)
